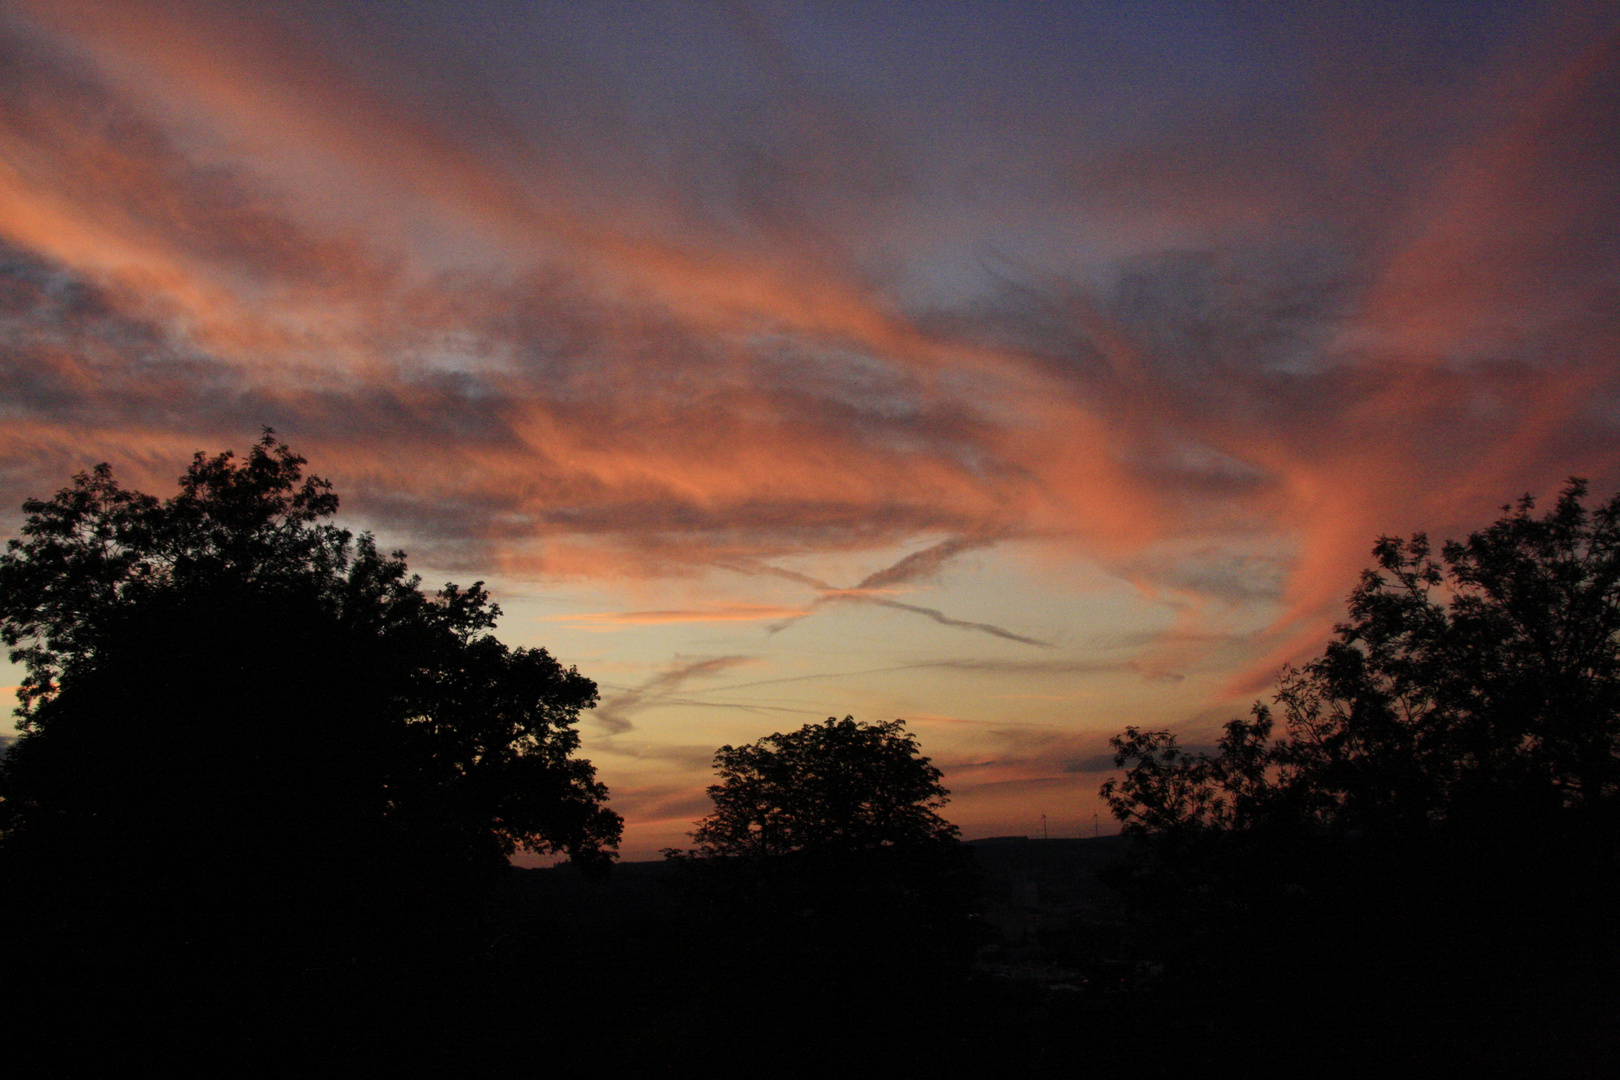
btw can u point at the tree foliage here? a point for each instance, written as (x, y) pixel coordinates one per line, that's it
(1466, 691)
(1422, 824)
(842, 785)
(226, 680)
(826, 873)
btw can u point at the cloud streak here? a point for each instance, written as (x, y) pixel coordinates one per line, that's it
(909, 568)
(612, 620)
(612, 713)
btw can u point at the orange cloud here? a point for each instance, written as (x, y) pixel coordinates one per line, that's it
(732, 613)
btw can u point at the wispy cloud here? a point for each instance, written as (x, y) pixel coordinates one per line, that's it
(943, 619)
(872, 588)
(726, 614)
(613, 712)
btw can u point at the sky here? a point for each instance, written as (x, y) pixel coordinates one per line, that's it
(1019, 370)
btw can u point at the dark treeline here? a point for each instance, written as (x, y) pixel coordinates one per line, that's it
(1411, 858)
(260, 812)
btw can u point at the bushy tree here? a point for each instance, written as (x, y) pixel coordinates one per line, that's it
(826, 860)
(247, 733)
(1474, 689)
(1426, 813)
(839, 786)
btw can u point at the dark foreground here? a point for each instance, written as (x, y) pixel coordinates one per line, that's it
(621, 976)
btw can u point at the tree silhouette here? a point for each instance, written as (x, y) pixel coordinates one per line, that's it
(1426, 816)
(250, 741)
(1469, 691)
(827, 871)
(838, 786)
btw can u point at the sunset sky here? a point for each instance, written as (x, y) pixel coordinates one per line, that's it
(1022, 371)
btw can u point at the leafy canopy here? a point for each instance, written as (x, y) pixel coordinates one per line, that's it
(213, 668)
(839, 786)
(1473, 690)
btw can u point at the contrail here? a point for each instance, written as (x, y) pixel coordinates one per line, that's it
(917, 564)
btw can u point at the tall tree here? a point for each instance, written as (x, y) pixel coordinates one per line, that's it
(249, 740)
(1425, 822)
(1474, 689)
